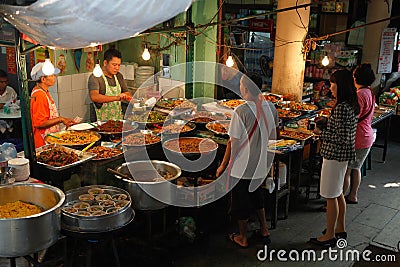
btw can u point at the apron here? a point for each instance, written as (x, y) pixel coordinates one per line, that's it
(53, 113)
(110, 110)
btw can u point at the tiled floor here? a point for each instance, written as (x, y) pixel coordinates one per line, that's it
(374, 221)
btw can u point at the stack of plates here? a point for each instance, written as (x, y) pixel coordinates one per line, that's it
(142, 74)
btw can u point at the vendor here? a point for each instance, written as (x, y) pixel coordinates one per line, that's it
(7, 93)
(44, 114)
(108, 90)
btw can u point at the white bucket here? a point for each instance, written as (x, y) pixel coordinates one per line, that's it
(21, 168)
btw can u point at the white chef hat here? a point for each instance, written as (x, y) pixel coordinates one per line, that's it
(37, 71)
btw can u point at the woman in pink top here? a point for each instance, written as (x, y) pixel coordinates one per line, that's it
(363, 78)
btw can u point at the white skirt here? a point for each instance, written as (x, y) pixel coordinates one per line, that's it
(332, 178)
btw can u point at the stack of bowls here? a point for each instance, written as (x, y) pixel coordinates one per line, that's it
(143, 73)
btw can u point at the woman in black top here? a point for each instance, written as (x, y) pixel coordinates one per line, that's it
(337, 149)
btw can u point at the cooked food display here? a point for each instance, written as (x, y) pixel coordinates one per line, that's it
(281, 144)
(203, 116)
(299, 106)
(95, 208)
(18, 209)
(331, 103)
(101, 197)
(295, 135)
(324, 112)
(57, 157)
(219, 127)
(96, 202)
(171, 128)
(151, 117)
(233, 103)
(105, 152)
(287, 114)
(191, 145)
(171, 103)
(112, 126)
(72, 138)
(96, 191)
(139, 139)
(81, 205)
(273, 98)
(86, 197)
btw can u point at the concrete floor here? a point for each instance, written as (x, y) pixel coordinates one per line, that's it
(374, 223)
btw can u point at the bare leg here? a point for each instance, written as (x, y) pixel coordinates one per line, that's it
(340, 226)
(242, 237)
(346, 182)
(263, 222)
(332, 211)
(355, 184)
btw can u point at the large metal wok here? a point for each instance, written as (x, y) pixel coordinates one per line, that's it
(139, 188)
(27, 235)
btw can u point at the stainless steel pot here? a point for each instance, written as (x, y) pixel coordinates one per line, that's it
(90, 224)
(138, 189)
(27, 235)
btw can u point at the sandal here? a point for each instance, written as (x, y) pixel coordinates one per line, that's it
(232, 238)
(265, 239)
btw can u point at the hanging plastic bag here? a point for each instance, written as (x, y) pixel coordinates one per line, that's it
(7, 152)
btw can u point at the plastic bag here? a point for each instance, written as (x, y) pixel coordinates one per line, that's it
(7, 152)
(187, 228)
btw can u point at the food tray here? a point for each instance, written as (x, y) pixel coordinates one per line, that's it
(156, 129)
(296, 135)
(84, 157)
(148, 117)
(50, 139)
(212, 144)
(274, 98)
(175, 103)
(230, 103)
(131, 124)
(102, 223)
(225, 123)
(113, 157)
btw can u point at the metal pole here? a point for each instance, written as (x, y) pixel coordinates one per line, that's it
(189, 54)
(27, 133)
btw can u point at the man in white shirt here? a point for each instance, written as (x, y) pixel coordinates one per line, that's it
(7, 93)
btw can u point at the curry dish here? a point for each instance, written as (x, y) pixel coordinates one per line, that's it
(105, 152)
(138, 139)
(18, 209)
(190, 145)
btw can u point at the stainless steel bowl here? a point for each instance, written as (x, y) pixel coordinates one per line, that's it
(27, 235)
(141, 200)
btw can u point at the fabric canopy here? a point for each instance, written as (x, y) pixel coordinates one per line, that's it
(71, 24)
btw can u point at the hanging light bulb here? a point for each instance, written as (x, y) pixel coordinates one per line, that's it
(230, 62)
(146, 53)
(325, 61)
(97, 71)
(48, 67)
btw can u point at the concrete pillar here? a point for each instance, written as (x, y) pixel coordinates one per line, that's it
(372, 39)
(289, 62)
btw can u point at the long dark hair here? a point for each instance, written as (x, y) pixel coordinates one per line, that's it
(364, 75)
(346, 91)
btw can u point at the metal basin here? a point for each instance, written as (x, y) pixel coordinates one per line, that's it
(27, 235)
(138, 188)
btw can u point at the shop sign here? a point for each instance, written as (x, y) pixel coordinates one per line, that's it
(386, 52)
(11, 61)
(261, 25)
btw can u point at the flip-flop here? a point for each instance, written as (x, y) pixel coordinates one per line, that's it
(232, 238)
(265, 239)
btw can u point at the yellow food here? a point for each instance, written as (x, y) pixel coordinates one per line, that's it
(72, 138)
(18, 209)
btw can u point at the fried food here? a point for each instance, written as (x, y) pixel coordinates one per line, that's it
(233, 103)
(72, 138)
(105, 152)
(57, 157)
